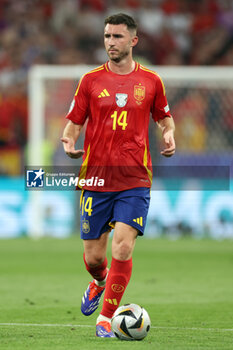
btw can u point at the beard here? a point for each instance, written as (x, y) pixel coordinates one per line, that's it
(119, 56)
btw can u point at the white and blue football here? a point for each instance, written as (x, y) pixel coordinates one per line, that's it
(131, 322)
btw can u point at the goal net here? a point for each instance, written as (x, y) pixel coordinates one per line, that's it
(201, 101)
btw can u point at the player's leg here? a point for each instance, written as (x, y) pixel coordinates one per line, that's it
(95, 215)
(95, 250)
(95, 257)
(123, 241)
(121, 267)
(96, 264)
(119, 275)
(130, 214)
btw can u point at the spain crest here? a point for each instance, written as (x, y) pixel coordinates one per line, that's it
(85, 226)
(139, 93)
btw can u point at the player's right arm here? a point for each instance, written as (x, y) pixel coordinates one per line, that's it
(70, 136)
(77, 115)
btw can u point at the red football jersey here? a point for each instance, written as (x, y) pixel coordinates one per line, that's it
(118, 108)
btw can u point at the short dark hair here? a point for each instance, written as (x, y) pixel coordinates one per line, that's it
(122, 18)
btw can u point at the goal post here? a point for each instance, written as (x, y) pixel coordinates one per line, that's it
(51, 86)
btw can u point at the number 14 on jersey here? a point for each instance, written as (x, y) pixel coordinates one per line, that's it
(120, 120)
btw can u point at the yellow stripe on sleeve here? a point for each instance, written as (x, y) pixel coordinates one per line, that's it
(92, 71)
(151, 71)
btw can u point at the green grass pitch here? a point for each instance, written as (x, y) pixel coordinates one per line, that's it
(185, 285)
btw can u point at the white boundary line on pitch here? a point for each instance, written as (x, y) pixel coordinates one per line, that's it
(85, 325)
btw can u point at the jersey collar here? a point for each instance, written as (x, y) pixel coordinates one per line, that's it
(108, 70)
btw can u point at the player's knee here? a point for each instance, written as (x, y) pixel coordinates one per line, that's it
(122, 250)
(94, 259)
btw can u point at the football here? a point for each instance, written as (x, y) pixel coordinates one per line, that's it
(130, 322)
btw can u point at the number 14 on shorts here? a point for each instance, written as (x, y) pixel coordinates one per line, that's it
(86, 205)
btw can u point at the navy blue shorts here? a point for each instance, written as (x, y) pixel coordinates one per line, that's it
(100, 210)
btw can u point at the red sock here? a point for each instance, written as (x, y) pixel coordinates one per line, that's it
(99, 272)
(117, 281)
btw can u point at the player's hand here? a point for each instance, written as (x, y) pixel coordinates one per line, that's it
(69, 149)
(170, 146)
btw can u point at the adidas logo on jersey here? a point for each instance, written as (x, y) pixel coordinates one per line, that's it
(104, 93)
(138, 221)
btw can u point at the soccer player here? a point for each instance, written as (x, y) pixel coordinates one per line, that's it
(117, 98)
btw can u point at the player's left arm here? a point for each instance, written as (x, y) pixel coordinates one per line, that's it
(167, 127)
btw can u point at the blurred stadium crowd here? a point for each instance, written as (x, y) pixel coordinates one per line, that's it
(172, 32)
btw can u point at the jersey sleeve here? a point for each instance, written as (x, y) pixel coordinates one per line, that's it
(160, 108)
(78, 111)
